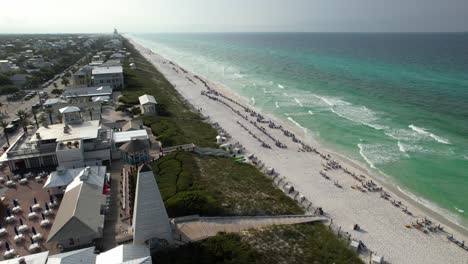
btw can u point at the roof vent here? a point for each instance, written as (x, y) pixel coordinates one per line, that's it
(38, 136)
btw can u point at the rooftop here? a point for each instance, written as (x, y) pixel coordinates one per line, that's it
(84, 255)
(69, 109)
(127, 253)
(145, 99)
(88, 91)
(125, 136)
(107, 70)
(94, 175)
(84, 130)
(79, 214)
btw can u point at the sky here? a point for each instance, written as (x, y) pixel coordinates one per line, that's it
(83, 16)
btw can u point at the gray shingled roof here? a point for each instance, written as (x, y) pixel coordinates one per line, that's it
(135, 145)
(79, 214)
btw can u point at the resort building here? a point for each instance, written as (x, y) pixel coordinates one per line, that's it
(73, 144)
(110, 75)
(135, 151)
(80, 219)
(87, 94)
(83, 77)
(120, 138)
(150, 221)
(147, 104)
(58, 180)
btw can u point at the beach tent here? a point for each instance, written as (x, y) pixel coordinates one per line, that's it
(377, 259)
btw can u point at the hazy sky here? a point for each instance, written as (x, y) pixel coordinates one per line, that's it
(46, 16)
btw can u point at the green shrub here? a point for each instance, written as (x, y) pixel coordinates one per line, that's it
(192, 202)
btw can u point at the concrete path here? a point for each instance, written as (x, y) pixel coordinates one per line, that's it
(195, 228)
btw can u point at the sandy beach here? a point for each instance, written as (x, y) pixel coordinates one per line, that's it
(326, 179)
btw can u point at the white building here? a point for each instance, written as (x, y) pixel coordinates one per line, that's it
(60, 179)
(135, 254)
(110, 75)
(80, 219)
(74, 144)
(5, 66)
(147, 104)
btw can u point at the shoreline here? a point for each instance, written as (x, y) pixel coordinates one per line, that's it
(349, 163)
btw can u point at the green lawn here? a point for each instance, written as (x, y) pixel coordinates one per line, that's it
(175, 123)
(194, 184)
(303, 243)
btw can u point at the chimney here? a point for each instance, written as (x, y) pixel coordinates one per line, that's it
(38, 135)
(85, 174)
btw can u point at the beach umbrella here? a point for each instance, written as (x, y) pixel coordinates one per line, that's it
(51, 198)
(16, 231)
(7, 246)
(21, 221)
(30, 209)
(34, 230)
(32, 241)
(8, 212)
(15, 202)
(46, 207)
(43, 216)
(35, 200)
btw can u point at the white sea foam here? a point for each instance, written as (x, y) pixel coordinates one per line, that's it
(285, 94)
(465, 157)
(357, 114)
(297, 124)
(277, 104)
(401, 147)
(252, 100)
(423, 131)
(361, 151)
(298, 102)
(310, 112)
(280, 86)
(459, 210)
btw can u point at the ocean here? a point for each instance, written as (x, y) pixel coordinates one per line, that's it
(397, 103)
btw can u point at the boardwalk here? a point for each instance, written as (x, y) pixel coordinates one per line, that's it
(198, 228)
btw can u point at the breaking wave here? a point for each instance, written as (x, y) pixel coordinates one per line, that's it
(298, 102)
(280, 86)
(277, 104)
(424, 132)
(297, 124)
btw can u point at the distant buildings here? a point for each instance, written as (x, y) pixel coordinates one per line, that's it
(5, 66)
(147, 104)
(110, 75)
(20, 80)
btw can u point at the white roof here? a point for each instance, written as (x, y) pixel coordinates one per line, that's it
(107, 70)
(96, 176)
(85, 255)
(145, 99)
(88, 91)
(100, 98)
(52, 101)
(84, 130)
(69, 109)
(39, 258)
(126, 136)
(126, 253)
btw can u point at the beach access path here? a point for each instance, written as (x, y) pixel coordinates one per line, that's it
(382, 224)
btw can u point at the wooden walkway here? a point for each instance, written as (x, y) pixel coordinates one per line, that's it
(188, 229)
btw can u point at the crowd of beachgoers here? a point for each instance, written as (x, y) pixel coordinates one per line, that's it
(356, 203)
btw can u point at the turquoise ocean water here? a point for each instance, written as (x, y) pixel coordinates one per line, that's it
(395, 102)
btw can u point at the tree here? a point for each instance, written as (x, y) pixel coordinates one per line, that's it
(23, 119)
(57, 91)
(59, 117)
(4, 124)
(5, 80)
(35, 112)
(43, 120)
(68, 75)
(49, 112)
(65, 81)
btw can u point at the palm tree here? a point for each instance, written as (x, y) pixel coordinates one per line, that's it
(49, 112)
(35, 112)
(23, 119)
(43, 120)
(65, 82)
(4, 124)
(59, 117)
